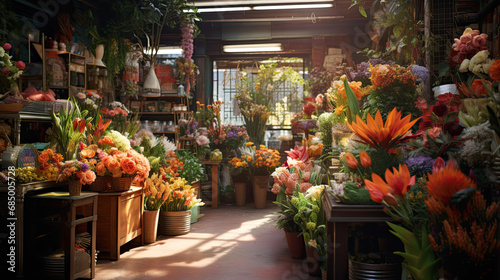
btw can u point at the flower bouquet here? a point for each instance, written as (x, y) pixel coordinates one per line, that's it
(156, 192)
(264, 162)
(188, 128)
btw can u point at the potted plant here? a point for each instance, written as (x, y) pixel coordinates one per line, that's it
(156, 192)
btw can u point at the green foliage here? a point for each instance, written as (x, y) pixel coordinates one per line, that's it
(353, 102)
(193, 170)
(419, 254)
(325, 122)
(288, 210)
(355, 195)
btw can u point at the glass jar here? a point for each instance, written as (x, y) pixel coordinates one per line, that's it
(145, 125)
(156, 126)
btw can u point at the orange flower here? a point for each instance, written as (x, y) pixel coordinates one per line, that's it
(495, 70)
(351, 161)
(375, 133)
(355, 87)
(57, 158)
(101, 127)
(87, 153)
(43, 158)
(339, 109)
(106, 141)
(113, 165)
(446, 182)
(478, 88)
(397, 184)
(128, 165)
(365, 159)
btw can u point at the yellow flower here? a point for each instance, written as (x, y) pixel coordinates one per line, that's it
(339, 110)
(248, 144)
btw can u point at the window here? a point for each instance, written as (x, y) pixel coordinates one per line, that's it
(284, 104)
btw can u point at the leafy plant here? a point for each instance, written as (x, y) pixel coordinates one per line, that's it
(193, 170)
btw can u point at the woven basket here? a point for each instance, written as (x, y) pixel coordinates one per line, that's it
(110, 184)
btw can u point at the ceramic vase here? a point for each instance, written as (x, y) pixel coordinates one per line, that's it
(150, 225)
(240, 190)
(151, 83)
(99, 53)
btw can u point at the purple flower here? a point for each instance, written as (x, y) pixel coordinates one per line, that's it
(419, 165)
(84, 167)
(421, 72)
(231, 134)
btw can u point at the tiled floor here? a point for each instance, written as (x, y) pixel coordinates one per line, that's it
(227, 243)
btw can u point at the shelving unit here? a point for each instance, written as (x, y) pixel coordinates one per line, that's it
(162, 116)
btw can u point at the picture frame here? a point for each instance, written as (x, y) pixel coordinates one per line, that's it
(135, 106)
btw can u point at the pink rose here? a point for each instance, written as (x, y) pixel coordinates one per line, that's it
(276, 189)
(81, 95)
(480, 40)
(456, 45)
(434, 132)
(306, 176)
(20, 65)
(124, 113)
(7, 46)
(421, 103)
(465, 38)
(6, 71)
(111, 113)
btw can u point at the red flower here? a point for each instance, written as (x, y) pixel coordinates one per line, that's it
(6, 71)
(478, 87)
(397, 184)
(20, 65)
(439, 110)
(7, 46)
(104, 110)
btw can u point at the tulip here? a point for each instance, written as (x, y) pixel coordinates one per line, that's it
(351, 161)
(365, 159)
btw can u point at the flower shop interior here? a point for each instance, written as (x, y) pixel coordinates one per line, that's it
(259, 139)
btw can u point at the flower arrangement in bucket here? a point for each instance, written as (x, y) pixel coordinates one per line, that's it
(76, 172)
(188, 128)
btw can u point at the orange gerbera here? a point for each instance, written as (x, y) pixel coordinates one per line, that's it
(495, 70)
(397, 184)
(375, 133)
(442, 184)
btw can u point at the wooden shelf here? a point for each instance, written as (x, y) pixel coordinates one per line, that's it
(155, 113)
(172, 95)
(163, 132)
(64, 87)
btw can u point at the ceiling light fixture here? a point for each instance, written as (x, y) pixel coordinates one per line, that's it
(223, 9)
(248, 2)
(290, 7)
(251, 48)
(169, 50)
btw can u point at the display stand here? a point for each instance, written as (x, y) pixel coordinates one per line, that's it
(120, 221)
(68, 221)
(215, 182)
(338, 217)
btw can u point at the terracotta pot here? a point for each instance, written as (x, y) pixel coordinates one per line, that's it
(260, 186)
(313, 261)
(296, 244)
(175, 222)
(240, 189)
(75, 188)
(150, 225)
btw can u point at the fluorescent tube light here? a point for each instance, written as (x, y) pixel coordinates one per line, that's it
(169, 50)
(290, 7)
(251, 48)
(223, 9)
(247, 2)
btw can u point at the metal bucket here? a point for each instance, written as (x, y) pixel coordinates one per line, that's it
(174, 222)
(366, 271)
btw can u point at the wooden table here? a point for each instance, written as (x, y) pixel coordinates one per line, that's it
(338, 217)
(215, 183)
(21, 191)
(68, 222)
(120, 221)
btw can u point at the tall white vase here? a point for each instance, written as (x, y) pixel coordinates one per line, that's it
(99, 53)
(151, 83)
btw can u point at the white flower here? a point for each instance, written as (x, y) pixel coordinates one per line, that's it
(478, 58)
(312, 243)
(314, 192)
(168, 145)
(278, 170)
(487, 65)
(2, 52)
(464, 67)
(88, 101)
(94, 106)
